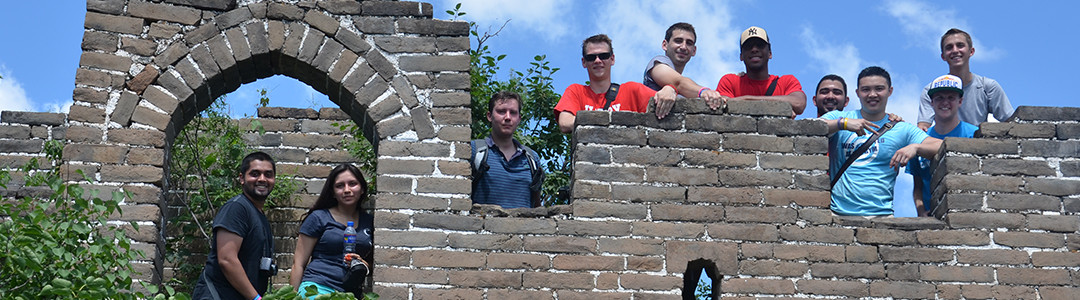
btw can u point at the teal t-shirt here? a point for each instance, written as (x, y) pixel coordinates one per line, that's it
(866, 187)
(921, 167)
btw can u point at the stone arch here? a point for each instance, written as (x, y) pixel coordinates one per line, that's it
(148, 68)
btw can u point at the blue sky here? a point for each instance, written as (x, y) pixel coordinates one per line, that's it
(1023, 45)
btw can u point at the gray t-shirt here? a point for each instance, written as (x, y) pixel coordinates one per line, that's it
(982, 96)
(659, 59)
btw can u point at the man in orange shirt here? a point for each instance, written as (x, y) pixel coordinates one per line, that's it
(601, 94)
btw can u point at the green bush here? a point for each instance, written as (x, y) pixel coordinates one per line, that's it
(62, 247)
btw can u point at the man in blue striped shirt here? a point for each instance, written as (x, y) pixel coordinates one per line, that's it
(505, 172)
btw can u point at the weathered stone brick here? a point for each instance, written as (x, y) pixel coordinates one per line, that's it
(861, 254)
(899, 289)
(613, 136)
(94, 153)
(983, 183)
(649, 282)
(105, 61)
(557, 280)
(643, 193)
(744, 232)
(698, 194)
(608, 173)
(808, 252)
(810, 145)
(1046, 113)
(1033, 276)
(722, 123)
(124, 173)
(1050, 186)
(1050, 148)
(146, 156)
(953, 237)
(522, 226)
(632, 246)
(687, 213)
(1068, 131)
(884, 236)
(142, 137)
(90, 95)
(818, 234)
(668, 230)
(14, 132)
(391, 220)
(518, 261)
(86, 114)
(784, 197)
(759, 286)
(956, 273)
(1017, 130)
(754, 178)
(399, 44)
(681, 176)
(560, 244)
(719, 159)
(452, 293)
(909, 255)
(448, 259)
(114, 23)
(502, 242)
(1055, 259)
(404, 275)
(992, 166)
(452, 43)
(684, 140)
(100, 40)
(833, 287)
(807, 162)
(1029, 239)
(412, 238)
(1055, 223)
(587, 263)
(772, 268)
(605, 228)
(643, 156)
(774, 215)
(789, 127)
(724, 255)
(1023, 202)
(433, 27)
(981, 146)
(757, 143)
(403, 8)
(155, 11)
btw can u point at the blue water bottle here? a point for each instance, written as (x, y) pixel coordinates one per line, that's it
(350, 238)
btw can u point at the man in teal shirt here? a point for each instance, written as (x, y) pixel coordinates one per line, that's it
(866, 187)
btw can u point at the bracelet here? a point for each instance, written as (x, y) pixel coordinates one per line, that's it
(257, 297)
(673, 87)
(700, 91)
(843, 123)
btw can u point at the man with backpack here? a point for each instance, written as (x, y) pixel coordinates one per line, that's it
(601, 94)
(505, 172)
(865, 155)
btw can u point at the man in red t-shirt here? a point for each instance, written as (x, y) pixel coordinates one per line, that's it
(597, 58)
(756, 51)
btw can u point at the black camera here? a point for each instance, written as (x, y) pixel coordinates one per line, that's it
(267, 266)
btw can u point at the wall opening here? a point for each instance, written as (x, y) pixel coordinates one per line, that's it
(699, 281)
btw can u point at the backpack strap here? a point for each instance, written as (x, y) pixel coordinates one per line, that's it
(479, 161)
(772, 86)
(612, 91)
(862, 149)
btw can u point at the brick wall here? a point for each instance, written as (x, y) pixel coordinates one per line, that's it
(744, 188)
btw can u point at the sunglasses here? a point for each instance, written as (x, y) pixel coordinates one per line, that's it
(602, 56)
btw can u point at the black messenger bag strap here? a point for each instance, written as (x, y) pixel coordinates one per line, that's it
(772, 87)
(862, 149)
(610, 95)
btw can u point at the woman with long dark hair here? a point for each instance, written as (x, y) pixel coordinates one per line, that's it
(319, 258)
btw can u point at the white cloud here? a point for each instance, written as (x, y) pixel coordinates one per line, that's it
(832, 58)
(924, 24)
(637, 30)
(545, 18)
(59, 106)
(12, 95)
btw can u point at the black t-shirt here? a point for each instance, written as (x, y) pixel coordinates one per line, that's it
(238, 216)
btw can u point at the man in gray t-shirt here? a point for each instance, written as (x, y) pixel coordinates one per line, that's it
(982, 95)
(664, 72)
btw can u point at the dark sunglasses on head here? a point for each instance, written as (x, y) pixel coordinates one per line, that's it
(602, 56)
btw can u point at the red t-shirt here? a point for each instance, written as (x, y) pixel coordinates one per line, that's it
(632, 97)
(732, 85)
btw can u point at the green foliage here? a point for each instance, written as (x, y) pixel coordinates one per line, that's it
(538, 130)
(286, 293)
(61, 247)
(203, 172)
(360, 149)
(704, 289)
